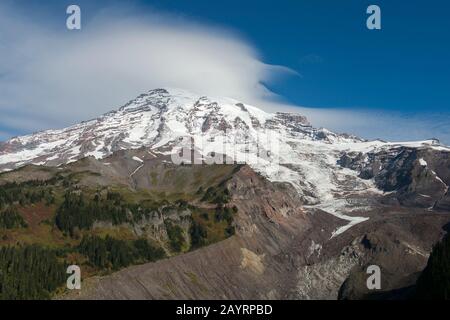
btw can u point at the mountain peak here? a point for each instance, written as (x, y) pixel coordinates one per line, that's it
(162, 116)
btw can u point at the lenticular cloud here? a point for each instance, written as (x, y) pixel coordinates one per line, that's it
(52, 77)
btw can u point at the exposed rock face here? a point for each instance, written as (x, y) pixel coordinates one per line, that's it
(400, 255)
(417, 177)
(294, 120)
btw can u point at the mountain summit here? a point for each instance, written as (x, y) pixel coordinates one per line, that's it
(152, 119)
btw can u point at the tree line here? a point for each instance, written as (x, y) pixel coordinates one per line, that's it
(29, 272)
(25, 193)
(10, 219)
(111, 253)
(78, 211)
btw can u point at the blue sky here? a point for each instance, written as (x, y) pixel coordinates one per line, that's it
(394, 82)
(405, 66)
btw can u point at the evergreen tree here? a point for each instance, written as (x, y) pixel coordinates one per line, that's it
(198, 235)
(10, 219)
(29, 272)
(176, 236)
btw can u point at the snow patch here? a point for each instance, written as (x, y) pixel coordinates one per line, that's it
(422, 162)
(138, 159)
(135, 171)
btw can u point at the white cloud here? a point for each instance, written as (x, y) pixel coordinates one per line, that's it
(61, 77)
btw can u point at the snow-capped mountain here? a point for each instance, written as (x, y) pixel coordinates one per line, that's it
(283, 147)
(152, 119)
